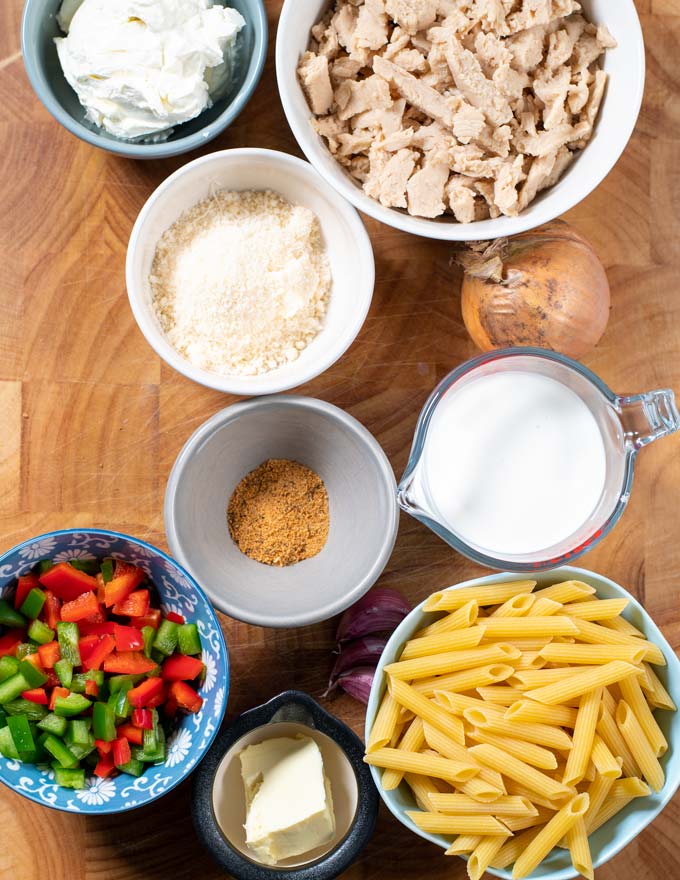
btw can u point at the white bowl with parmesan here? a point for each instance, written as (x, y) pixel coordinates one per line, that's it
(441, 160)
(218, 334)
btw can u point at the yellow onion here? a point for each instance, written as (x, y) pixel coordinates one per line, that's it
(545, 288)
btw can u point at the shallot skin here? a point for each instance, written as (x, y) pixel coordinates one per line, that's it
(380, 610)
(544, 288)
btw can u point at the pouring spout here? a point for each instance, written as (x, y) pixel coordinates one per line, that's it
(649, 416)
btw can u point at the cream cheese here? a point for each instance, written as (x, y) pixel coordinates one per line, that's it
(288, 798)
(139, 67)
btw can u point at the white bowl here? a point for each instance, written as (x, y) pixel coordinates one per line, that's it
(347, 244)
(614, 835)
(618, 114)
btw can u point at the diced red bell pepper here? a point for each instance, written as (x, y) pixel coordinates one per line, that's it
(181, 668)
(10, 641)
(99, 653)
(128, 638)
(121, 751)
(36, 695)
(67, 582)
(126, 578)
(49, 654)
(91, 688)
(145, 691)
(136, 604)
(142, 718)
(105, 766)
(175, 618)
(52, 679)
(185, 696)
(34, 659)
(151, 618)
(101, 587)
(159, 699)
(52, 609)
(131, 733)
(25, 584)
(86, 645)
(84, 606)
(91, 628)
(57, 692)
(103, 747)
(129, 663)
(170, 707)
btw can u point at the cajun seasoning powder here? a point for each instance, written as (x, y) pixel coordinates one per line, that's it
(278, 513)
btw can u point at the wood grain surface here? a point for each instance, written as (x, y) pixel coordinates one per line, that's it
(91, 420)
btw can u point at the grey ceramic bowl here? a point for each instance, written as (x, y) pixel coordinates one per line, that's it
(362, 499)
(219, 801)
(39, 28)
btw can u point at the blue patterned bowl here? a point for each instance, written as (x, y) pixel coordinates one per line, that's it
(192, 738)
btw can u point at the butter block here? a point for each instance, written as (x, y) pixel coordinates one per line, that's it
(288, 798)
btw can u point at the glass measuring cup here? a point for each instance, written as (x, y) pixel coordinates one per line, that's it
(626, 423)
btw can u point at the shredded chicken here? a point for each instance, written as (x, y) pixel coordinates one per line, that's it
(465, 108)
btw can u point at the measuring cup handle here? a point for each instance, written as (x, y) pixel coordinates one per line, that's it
(646, 417)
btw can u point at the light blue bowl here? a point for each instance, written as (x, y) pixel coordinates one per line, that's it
(38, 30)
(619, 831)
(194, 734)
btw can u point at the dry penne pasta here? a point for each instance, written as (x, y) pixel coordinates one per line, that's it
(406, 696)
(493, 721)
(632, 694)
(528, 710)
(465, 616)
(526, 679)
(637, 742)
(658, 696)
(514, 768)
(464, 843)
(513, 848)
(584, 733)
(545, 607)
(598, 609)
(461, 804)
(623, 626)
(482, 855)
(530, 660)
(526, 627)
(521, 823)
(632, 786)
(453, 661)
(438, 823)
(412, 741)
(550, 835)
(607, 811)
(595, 634)
(493, 594)
(516, 606)
(606, 764)
(422, 787)
(591, 655)
(582, 682)
(449, 748)
(598, 792)
(611, 736)
(579, 849)
(533, 754)
(534, 644)
(454, 702)
(443, 643)
(465, 680)
(424, 765)
(501, 694)
(384, 724)
(567, 591)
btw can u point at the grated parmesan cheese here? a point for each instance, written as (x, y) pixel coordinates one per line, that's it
(241, 282)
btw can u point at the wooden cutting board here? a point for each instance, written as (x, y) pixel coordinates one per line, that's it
(91, 420)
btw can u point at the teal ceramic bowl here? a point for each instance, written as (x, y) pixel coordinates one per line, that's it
(39, 28)
(612, 837)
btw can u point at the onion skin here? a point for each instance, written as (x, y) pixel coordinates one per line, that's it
(544, 288)
(380, 610)
(357, 682)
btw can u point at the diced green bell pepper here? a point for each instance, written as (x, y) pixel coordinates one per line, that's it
(53, 724)
(165, 641)
(22, 737)
(158, 754)
(40, 632)
(69, 707)
(121, 705)
(45, 565)
(9, 666)
(12, 687)
(78, 683)
(82, 751)
(26, 648)
(119, 683)
(32, 674)
(133, 767)
(20, 706)
(7, 747)
(3, 718)
(69, 778)
(78, 732)
(59, 750)
(10, 617)
(33, 603)
(89, 566)
(64, 670)
(107, 570)
(148, 634)
(68, 635)
(188, 639)
(104, 722)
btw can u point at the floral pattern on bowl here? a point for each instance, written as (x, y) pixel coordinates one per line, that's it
(192, 738)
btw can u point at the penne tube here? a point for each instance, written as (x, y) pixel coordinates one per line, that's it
(567, 591)
(486, 786)
(521, 772)
(582, 682)
(591, 655)
(422, 788)
(516, 606)
(607, 811)
(579, 849)
(437, 823)
(521, 823)
(528, 710)
(465, 680)
(595, 634)
(501, 694)
(452, 661)
(609, 701)
(531, 660)
(598, 792)
(632, 694)
(384, 724)
(527, 627)
(483, 854)
(639, 745)
(623, 626)
(545, 607)
(513, 848)
(461, 804)
(533, 754)
(489, 719)
(605, 763)
(462, 618)
(493, 594)
(612, 738)
(424, 765)
(442, 643)
(657, 694)
(412, 741)
(550, 835)
(464, 844)
(537, 799)
(584, 733)
(406, 696)
(532, 678)
(598, 609)
(534, 644)
(632, 786)
(455, 703)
